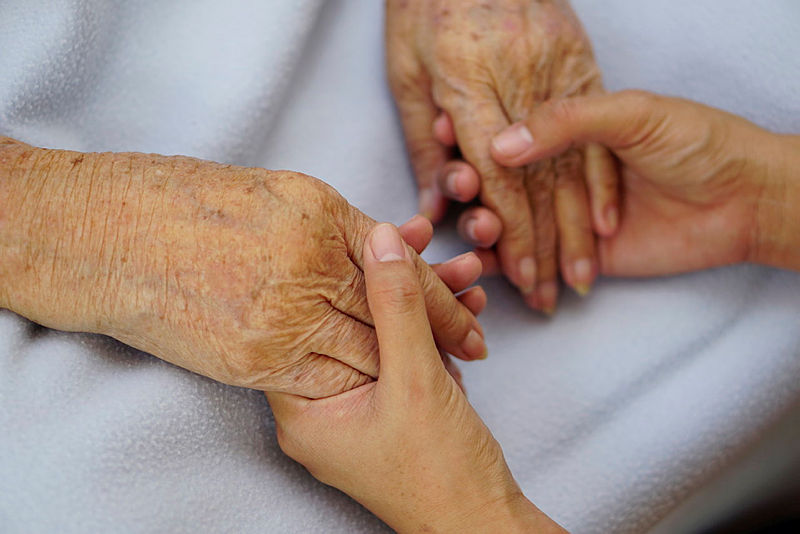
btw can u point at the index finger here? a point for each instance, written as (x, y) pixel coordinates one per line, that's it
(503, 191)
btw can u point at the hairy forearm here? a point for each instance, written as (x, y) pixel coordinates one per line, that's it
(777, 241)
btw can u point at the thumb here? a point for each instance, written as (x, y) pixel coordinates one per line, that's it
(397, 304)
(617, 120)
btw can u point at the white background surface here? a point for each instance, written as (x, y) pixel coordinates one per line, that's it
(610, 414)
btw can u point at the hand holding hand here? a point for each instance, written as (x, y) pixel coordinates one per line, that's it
(409, 446)
(700, 187)
(463, 70)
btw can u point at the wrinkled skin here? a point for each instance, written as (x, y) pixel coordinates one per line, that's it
(248, 276)
(408, 446)
(462, 70)
(701, 188)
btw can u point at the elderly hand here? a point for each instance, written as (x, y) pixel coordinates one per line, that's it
(701, 187)
(250, 277)
(461, 71)
(409, 446)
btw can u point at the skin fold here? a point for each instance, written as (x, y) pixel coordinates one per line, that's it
(461, 71)
(409, 446)
(248, 276)
(701, 188)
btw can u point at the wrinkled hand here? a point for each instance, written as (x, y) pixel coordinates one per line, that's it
(409, 446)
(462, 70)
(700, 187)
(250, 277)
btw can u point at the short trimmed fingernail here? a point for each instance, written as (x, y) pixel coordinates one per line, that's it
(386, 244)
(451, 182)
(527, 274)
(470, 228)
(474, 346)
(547, 293)
(612, 217)
(513, 141)
(583, 274)
(427, 202)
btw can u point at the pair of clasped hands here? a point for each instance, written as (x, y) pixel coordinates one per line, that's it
(699, 188)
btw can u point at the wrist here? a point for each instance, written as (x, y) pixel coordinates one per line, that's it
(776, 239)
(510, 513)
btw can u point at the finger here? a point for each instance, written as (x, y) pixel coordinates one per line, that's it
(489, 264)
(474, 299)
(454, 371)
(397, 304)
(540, 187)
(317, 376)
(460, 272)
(349, 341)
(453, 324)
(602, 181)
(457, 180)
(502, 189)
(576, 239)
(351, 299)
(417, 114)
(480, 227)
(617, 121)
(417, 232)
(443, 130)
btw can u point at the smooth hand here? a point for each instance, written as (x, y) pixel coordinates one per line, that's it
(409, 446)
(461, 71)
(700, 187)
(251, 277)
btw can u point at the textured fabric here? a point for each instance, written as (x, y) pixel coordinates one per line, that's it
(610, 414)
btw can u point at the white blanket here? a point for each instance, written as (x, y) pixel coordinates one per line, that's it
(610, 414)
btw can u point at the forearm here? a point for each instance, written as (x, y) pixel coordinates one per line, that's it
(55, 209)
(777, 237)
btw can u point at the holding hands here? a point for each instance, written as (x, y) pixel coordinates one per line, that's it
(701, 188)
(408, 446)
(463, 70)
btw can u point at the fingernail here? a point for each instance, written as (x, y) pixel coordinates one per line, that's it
(451, 182)
(459, 258)
(513, 141)
(386, 244)
(474, 346)
(547, 293)
(427, 202)
(470, 228)
(527, 274)
(612, 218)
(583, 273)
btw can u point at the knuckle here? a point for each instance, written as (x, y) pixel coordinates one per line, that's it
(638, 99)
(563, 110)
(400, 296)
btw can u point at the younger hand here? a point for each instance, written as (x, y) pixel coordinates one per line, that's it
(409, 446)
(696, 181)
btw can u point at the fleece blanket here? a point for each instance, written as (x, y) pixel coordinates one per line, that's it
(610, 414)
